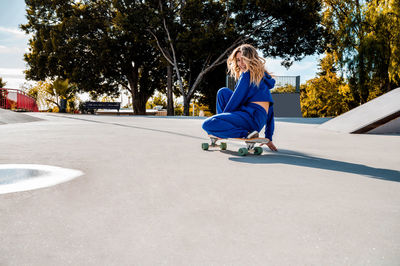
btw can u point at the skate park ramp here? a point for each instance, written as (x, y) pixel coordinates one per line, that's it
(378, 116)
(10, 117)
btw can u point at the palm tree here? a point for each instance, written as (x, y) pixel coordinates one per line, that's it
(54, 92)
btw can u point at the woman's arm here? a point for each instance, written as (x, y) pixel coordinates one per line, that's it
(240, 93)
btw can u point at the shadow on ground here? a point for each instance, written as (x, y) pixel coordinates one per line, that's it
(301, 159)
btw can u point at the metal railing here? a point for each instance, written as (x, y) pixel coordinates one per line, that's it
(17, 100)
(281, 81)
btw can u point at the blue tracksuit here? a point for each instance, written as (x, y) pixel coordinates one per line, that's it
(236, 115)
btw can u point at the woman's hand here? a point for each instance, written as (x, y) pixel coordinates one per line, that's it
(271, 146)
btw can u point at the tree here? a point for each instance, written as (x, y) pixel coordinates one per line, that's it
(288, 29)
(98, 45)
(49, 93)
(104, 45)
(64, 90)
(365, 41)
(343, 20)
(211, 83)
(157, 100)
(187, 35)
(382, 45)
(286, 88)
(40, 93)
(327, 94)
(2, 83)
(196, 36)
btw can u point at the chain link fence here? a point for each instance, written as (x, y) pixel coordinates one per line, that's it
(281, 81)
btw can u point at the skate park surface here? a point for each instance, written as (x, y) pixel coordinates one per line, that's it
(149, 195)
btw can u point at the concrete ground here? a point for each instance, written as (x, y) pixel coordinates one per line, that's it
(151, 196)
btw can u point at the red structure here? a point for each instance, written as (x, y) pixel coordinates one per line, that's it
(17, 100)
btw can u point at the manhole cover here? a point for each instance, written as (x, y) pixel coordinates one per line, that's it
(22, 177)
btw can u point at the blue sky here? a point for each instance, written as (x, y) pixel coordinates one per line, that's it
(14, 43)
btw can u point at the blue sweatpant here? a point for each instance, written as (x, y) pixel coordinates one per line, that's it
(237, 124)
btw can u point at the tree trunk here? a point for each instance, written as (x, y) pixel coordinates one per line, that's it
(364, 88)
(139, 108)
(386, 72)
(139, 104)
(186, 105)
(170, 99)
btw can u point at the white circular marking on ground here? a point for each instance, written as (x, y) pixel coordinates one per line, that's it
(22, 177)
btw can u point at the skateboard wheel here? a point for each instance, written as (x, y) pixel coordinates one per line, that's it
(243, 151)
(204, 146)
(258, 150)
(223, 146)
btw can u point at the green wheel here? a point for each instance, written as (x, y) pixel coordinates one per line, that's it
(204, 146)
(243, 151)
(223, 146)
(258, 150)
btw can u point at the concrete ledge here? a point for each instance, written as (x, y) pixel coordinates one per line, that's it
(368, 116)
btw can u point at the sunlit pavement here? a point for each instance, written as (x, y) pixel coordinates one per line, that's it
(149, 195)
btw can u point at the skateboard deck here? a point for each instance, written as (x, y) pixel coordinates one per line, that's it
(250, 143)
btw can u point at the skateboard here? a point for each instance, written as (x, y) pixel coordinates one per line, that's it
(250, 143)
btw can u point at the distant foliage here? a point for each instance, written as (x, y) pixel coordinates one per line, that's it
(287, 88)
(327, 94)
(157, 100)
(365, 41)
(2, 83)
(42, 94)
(364, 47)
(49, 93)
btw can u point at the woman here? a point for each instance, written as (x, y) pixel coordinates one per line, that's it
(244, 112)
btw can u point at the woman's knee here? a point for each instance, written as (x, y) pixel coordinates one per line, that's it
(224, 92)
(211, 124)
(223, 96)
(207, 123)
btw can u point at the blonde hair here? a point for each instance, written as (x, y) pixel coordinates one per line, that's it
(254, 63)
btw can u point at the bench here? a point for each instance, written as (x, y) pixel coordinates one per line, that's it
(90, 107)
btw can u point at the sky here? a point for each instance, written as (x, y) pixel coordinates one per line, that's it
(14, 43)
